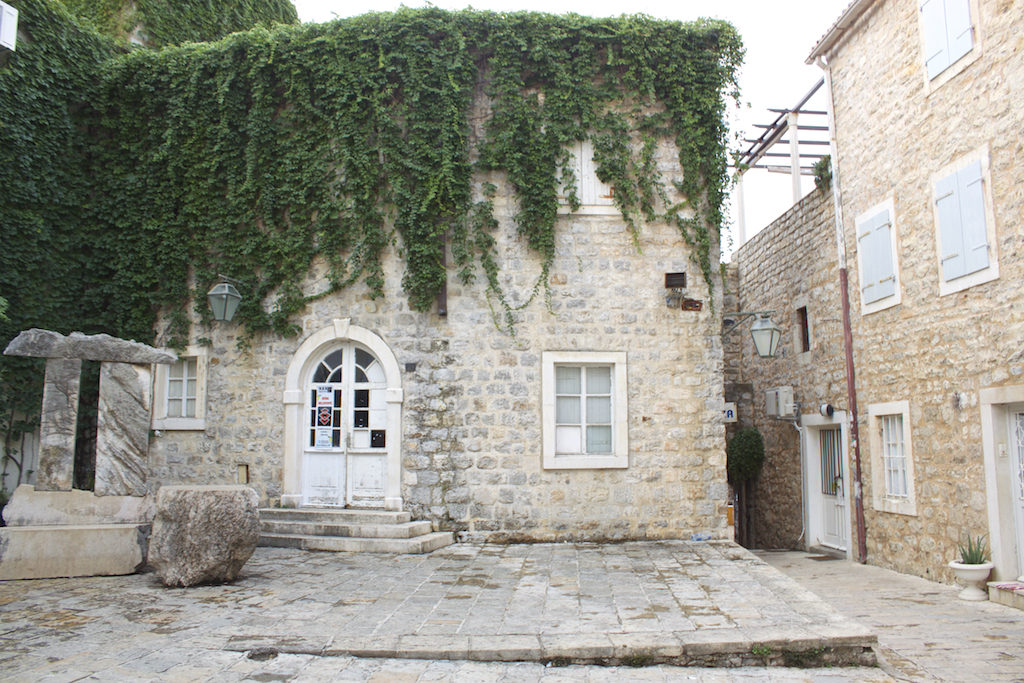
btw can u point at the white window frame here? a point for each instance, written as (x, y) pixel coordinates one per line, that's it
(595, 197)
(161, 376)
(948, 69)
(894, 299)
(882, 499)
(990, 272)
(619, 457)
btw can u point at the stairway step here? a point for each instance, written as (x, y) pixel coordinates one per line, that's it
(420, 544)
(367, 530)
(1009, 593)
(336, 516)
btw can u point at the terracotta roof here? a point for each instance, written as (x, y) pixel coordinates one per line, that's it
(838, 29)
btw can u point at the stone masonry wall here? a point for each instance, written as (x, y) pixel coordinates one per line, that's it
(895, 131)
(789, 264)
(471, 432)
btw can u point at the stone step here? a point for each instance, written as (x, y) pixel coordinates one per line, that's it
(419, 544)
(335, 515)
(315, 528)
(1010, 593)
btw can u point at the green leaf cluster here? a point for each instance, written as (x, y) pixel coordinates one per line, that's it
(744, 455)
(165, 22)
(133, 178)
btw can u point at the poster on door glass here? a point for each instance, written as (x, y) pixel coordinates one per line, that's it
(324, 396)
(323, 437)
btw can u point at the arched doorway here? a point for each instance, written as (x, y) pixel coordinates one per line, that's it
(343, 411)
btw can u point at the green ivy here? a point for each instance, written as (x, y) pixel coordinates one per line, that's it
(171, 22)
(133, 178)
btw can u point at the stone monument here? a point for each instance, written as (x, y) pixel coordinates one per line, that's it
(54, 530)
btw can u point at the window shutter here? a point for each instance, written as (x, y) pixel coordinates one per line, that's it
(8, 26)
(936, 52)
(972, 215)
(959, 34)
(878, 272)
(951, 236)
(592, 190)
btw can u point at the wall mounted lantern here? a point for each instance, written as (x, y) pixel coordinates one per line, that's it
(224, 300)
(765, 333)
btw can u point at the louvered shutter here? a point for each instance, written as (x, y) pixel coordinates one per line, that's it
(959, 36)
(933, 22)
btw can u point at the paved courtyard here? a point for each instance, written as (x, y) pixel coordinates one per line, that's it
(309, 616)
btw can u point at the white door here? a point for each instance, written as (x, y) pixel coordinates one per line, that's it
(1017, 481)
(833, 493)
(344, 452)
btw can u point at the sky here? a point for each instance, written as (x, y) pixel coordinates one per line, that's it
(778, 37)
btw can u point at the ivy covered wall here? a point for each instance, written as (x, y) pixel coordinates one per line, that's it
(133, 178)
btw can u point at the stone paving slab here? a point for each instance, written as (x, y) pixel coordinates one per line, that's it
(701, 603)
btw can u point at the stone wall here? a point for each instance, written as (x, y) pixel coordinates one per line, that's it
(471, 431)
(936, 352)
(788, 265)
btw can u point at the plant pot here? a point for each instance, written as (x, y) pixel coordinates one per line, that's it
(973, 577)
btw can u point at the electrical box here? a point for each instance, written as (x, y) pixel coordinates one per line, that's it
(779, 402)
(8, 26)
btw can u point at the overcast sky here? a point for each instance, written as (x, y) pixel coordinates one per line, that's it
(778, 37)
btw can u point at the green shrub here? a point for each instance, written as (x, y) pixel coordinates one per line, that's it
(744, 455)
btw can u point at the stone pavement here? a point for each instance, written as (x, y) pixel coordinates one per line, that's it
(331, 616)
(924, 631)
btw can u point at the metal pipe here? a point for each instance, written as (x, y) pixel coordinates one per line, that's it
(851, 380)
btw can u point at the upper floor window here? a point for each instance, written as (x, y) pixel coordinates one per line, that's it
(876, 255)
(594, 196)
(947, 33)
(964, 224)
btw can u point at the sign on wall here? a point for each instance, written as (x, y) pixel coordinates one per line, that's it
(729, 412)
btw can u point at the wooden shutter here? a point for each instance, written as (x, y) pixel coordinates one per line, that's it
(8, 26)
(877, 269)
(951, 234)
(592, 190)
(933, 23)
(959, 34)
(972, 216)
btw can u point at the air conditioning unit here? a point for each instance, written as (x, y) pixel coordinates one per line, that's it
(8, 26)
(779, 402)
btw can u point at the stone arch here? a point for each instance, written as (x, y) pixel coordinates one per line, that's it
(299, 370)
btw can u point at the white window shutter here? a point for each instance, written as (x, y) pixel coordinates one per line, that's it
(877, 270)
(8, 26)
(959, 33)
(592, 190)
(972, 216)
(933, 22)
(951, 235)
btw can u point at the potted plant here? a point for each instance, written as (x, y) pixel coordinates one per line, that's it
(972, 569)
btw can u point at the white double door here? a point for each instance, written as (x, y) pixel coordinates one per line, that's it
(345, 435)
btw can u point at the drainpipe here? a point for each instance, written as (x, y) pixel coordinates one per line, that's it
(851, 383)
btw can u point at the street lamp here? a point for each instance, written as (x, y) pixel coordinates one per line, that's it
(765, 333)
(223, 300)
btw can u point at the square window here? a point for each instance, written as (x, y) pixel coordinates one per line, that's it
(584, 407)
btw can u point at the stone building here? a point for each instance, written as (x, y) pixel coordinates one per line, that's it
(459, 422)
(928, 179)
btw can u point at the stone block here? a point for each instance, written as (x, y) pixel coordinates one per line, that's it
(203, 534)
(122, 437)
(30, 507)
(46, 552)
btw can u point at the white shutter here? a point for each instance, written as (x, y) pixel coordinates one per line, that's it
(972, 218)
(877, 268)
(8, 26)
(592, 190)
(933, 23)
(959, 34)
(951, 234)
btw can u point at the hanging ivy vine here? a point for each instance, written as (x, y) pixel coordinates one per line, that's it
(254, 155)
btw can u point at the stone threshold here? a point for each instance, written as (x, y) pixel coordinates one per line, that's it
(1009, 593)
